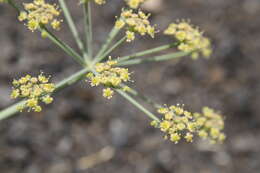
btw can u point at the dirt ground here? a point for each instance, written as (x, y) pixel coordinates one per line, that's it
(83, 132)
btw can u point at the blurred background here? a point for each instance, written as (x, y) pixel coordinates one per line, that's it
(83, 132)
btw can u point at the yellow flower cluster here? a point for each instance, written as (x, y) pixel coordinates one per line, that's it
(135, 23)
(210, 125)
(34, 89)
(190, 39)
(178, 123)
(109, 76)
(39, 12)
(134, 3)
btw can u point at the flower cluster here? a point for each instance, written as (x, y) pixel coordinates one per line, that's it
(34, 89)
(190, 39)
(134, 3)
(109, 76)
(210, 124)
(39, 12)
(135, 23)
(178, 123)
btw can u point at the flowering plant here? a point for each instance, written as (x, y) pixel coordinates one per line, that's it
(111, 73)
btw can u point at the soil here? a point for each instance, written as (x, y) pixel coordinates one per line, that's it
(83, 132)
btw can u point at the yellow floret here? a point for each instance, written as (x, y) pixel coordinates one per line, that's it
(15, 93)
(175, 137)
(119, 24)
(47, 99)
(108, 93)
(189, 137)
(134, 3)
(165, 125)
(22, 16)
(130, 36)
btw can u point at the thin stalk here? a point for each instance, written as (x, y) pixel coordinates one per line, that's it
(138, 105)
(13, 109)
(143, 97)
(147, 52)
(110, 38)
(54, 39)
(154, 59)
(63, 46)
(71, 24)
(10, 2)
(88, 27)
(117, 44)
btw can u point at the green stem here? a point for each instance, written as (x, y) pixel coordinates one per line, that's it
(138, 105)
(63, 46)
(143, 97)
(54, 39)
(71, 24)
(117, 44)
(10, 2)
(11, 110)
(110, 38)
(147, 52)
(154, 59)
(88, 27)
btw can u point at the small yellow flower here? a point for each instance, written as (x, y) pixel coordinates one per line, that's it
(47, 99)
(43, 79)
(34, 80)
(37, 108)
(130, 36)
(56, 24)
(189, 137)
(108, 93)
(134, 3)
(119, 24)
(154, 123)
(168, 116)
(165, 125)
(15, 93)
(162, 110)
(203, 134)
(181, 126)
(22, 16)
(32, 102)
(214, 133)
(175, 137)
